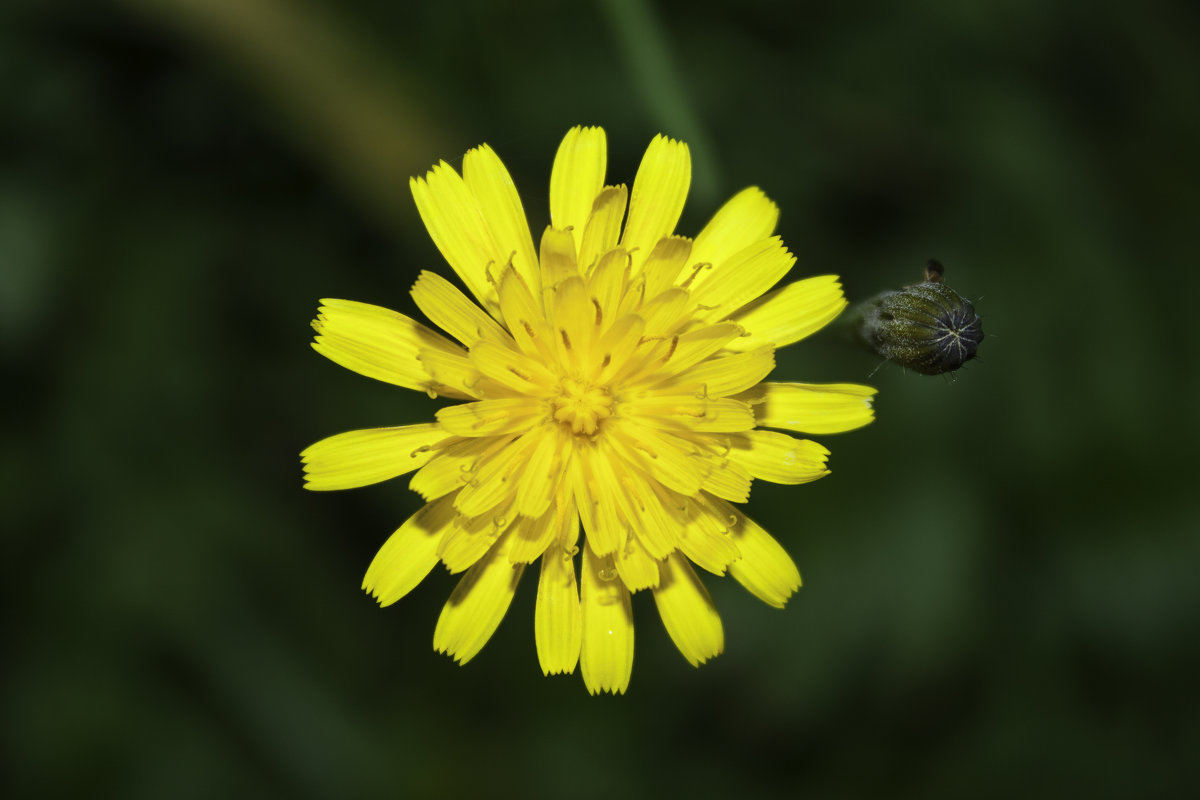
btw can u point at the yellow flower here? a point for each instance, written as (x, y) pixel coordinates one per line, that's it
(613, 379)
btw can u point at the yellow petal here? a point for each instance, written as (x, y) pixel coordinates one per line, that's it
(496, 478)
(789, 314)
(541, 472)
(500, 206)
(477, 605)
(410, 553)
(523, 374)
(811, 407)
(619, 344)
(533, 535)
(452, 466)
(726, 375)
(379, 343)
(454, 221)
(727, 479)
(574, 320)
(525, 317)
(657, 529)
(664, 263)
(696, 345)
(688, 612)
(558, 257)
(360, 458)
(667, 313)
(764, 568)
(707, 539)
(579, 479)
(635, 566)
(606, 495)
(558, 619)
(748, 217)
(603, 228)
(741, 278)
(607, 282)
(453, 311)
(577, 176)
(666, 457)
(453, 373)
(491, 417)
(779, 458)
(689, 412)
(659, 192)
(606, 652)
(469, 538)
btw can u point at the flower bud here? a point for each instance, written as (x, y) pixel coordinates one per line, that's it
(927, 327)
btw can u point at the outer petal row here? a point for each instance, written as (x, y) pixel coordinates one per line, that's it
(410, 553)
(789, 314)
(748, 217)
(658, 195)
(478, 604)
(777, 457)
(382, 344)
(558, 621)
(811, 407)
(453, 311)
(687, 611)
(577, 177)
(477, 222)
(606, 654)
(742, 277)
(765, 568)
(359, 458)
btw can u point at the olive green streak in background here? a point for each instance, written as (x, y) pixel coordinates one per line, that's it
(1000, 594)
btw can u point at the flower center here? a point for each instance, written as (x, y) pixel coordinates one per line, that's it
(582, 406)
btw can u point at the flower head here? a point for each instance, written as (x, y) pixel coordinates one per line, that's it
(614, 405)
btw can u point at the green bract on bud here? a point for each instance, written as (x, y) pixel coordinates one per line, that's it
(927, 327)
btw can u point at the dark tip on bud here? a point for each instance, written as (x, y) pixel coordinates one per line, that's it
(927, 327)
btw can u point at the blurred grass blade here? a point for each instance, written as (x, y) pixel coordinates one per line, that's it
(647, 51)
(346, 104)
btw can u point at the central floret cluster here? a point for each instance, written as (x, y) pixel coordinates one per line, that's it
(582, 407)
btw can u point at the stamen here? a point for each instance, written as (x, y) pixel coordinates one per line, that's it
(671, 351)
(488, 420)
(645, 449)
(695, 271)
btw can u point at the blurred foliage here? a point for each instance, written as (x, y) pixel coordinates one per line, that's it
(1000, 594)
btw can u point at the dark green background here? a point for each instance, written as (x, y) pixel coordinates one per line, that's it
(1001, 594)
